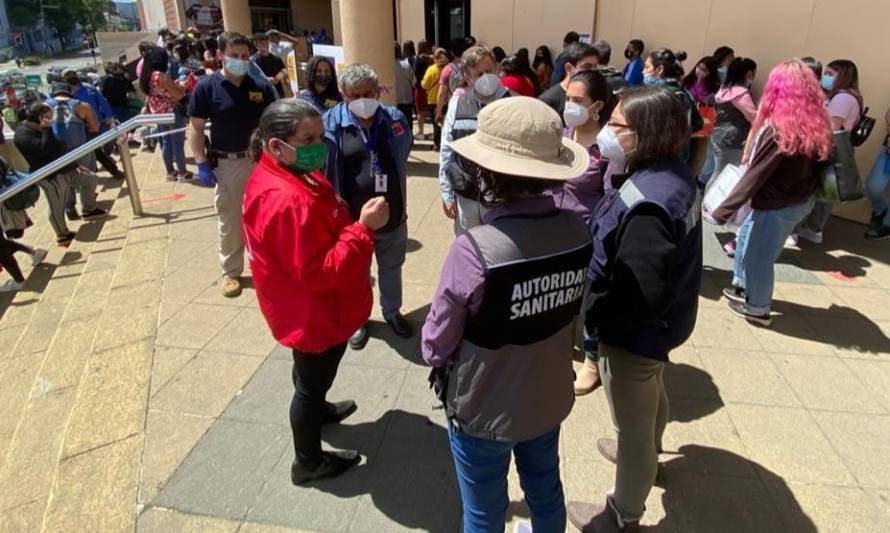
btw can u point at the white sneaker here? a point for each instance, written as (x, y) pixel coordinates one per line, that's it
(791, 240)
(11, 285)
(38, 256)
(523, 527)
(814, 237)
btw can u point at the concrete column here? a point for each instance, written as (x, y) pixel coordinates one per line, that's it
(236, 16)
(336, 31)
(366, 27)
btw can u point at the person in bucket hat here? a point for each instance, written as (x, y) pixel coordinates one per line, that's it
(501, 319)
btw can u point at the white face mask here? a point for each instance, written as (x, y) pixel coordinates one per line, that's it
(610, 148)
(487, 84)
(364, 108)
(575, 115)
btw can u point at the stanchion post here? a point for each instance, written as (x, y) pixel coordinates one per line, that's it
(132, 187)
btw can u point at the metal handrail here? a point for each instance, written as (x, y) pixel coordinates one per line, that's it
(114, 134)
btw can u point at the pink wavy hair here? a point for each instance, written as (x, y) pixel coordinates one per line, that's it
(793, 103)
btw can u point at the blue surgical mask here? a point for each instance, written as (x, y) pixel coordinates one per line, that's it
(827, 82)
(748, 83)
(649, 79)
(237, 67)
(721, 72)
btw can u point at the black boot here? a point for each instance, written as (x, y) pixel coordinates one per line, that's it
(332, 464)
(336, 412)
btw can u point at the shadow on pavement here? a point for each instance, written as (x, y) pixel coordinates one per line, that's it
(695, 390)
(698, 502)
(407, 348)
(410, 478)
(859, 332)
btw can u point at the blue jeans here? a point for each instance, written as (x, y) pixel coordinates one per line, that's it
(173, 145)
(877, 184)
(482, 466)
(758, 246)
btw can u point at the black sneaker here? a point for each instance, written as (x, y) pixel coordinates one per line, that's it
(734, 294)
(65, 240)
(400, 326)
(332, 464)
(94, 213)
(359, 339)
(72, 214)
(740, 309)
(877, 220)
(336, 412)
(881, 233)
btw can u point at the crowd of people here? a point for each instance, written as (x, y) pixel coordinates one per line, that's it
(574, 188)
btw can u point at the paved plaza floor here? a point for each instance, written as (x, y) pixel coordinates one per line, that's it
(135, 398)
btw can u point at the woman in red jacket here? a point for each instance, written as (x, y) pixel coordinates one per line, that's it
(311, 267)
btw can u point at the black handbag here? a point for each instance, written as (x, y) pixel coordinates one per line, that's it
(862, 129)
(23, 200)
(839, 177)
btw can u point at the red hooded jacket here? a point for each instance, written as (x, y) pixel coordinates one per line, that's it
(310, 262)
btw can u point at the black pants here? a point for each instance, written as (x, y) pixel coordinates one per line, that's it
(408, 111)
(313, 376)
(103, 158)
(7, 259)
(437, 129)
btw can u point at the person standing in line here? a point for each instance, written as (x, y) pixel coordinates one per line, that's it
(879, 227)
(490, 342)
(633, 71)
(368, 148)
(421, 103)
(577, 57)
(430, 84)
(321, 84)
(404, 83)
(450, 79)
(645, 278)
(543, 65)
(615, 82)
(163, 94)
(840, 82)
(281, 44)
(102, 109)
(790, 140)
(460, 191)
(559, 70)
(513, 79)
(735, 113)
(8, 247)
(233, 102)
(723, 57)
(271, 65)
(311, 265)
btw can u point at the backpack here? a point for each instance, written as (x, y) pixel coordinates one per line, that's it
(23, 200)
(67, 126)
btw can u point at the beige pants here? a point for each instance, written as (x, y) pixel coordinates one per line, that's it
(634, 386)
(231, 176)
(13, 157)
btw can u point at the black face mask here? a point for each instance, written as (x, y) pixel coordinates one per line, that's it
(628, 53)
(323, 79)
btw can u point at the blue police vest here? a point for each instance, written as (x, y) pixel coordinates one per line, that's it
(669, 186)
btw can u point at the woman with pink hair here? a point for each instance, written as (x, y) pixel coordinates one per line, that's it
(790, 139)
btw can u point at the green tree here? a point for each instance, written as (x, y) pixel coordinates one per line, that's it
(23, 13)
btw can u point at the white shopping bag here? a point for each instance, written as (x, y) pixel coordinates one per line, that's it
(719, 188)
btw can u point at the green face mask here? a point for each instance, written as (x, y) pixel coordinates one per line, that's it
(309, 157)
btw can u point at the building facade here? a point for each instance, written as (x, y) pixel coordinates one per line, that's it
(292, 16)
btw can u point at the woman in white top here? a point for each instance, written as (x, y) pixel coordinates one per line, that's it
(840, 81)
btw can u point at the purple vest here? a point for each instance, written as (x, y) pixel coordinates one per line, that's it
(669, 186)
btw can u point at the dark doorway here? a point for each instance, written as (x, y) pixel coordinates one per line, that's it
(446, 20)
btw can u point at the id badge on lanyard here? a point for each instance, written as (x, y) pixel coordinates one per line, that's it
(380, 178)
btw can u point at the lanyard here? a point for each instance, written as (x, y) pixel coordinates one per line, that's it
(371, 145)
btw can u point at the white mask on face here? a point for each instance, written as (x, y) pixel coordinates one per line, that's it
(575, 115)
(610, 148)
(487, 84)
(364, 108)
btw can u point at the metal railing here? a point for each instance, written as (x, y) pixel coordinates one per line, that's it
(116, 134)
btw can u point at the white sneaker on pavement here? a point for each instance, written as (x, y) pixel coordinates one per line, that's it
(11, 285)
(814, 237)
(38, 256)
(791, 240)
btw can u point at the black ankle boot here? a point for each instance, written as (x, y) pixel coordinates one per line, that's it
(331, 464)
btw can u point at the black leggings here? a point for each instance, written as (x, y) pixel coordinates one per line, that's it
(313, 375)
(7, 259)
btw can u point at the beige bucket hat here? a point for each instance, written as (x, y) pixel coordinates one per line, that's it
(522, 136)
